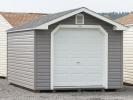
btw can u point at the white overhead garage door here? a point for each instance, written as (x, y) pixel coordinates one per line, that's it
(79, 58)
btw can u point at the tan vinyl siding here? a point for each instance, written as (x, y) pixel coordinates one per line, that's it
(4, 25)
(3, 53)
(128, 55)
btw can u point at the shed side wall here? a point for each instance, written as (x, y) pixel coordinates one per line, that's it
(21, 58)
(128, 55)
(115, 60)
(4, 25)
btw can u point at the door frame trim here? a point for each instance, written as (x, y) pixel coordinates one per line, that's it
(105, 79)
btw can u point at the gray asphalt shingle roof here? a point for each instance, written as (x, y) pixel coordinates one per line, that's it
(41, 20)
(33, 24)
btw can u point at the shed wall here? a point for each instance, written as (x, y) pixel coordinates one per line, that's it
(115, 48)
(42, 60)
(21, 59)
(4, 25)
(128, 55)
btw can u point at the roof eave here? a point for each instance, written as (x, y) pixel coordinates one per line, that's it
(117, 26)
(120, 28)
(28, 29)
(44, 26)
(129, 25)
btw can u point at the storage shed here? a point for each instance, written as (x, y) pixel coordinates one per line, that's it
(127, 48)
(7, 21)
(72, 49)
(4, 26)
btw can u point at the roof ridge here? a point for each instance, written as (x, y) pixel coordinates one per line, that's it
(69, 10)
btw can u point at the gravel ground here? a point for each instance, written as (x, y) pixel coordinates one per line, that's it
(10, 92)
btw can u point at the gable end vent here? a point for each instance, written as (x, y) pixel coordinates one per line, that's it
(79, 19)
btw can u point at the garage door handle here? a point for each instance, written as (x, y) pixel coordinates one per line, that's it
(78, 62)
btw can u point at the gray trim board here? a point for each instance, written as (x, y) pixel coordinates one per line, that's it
(43, 60)
(35, 62)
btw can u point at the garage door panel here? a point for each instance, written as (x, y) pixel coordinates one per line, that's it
(95, 55)
(72, 44)
(77, 84)
(90, 42)
(79, 67)
(77, 33)
(77, 77)
(78, 71)
(78, 62)
(78, 57)
(79, 50)
(72, 55)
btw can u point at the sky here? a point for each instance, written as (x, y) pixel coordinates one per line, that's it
(52, 6)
